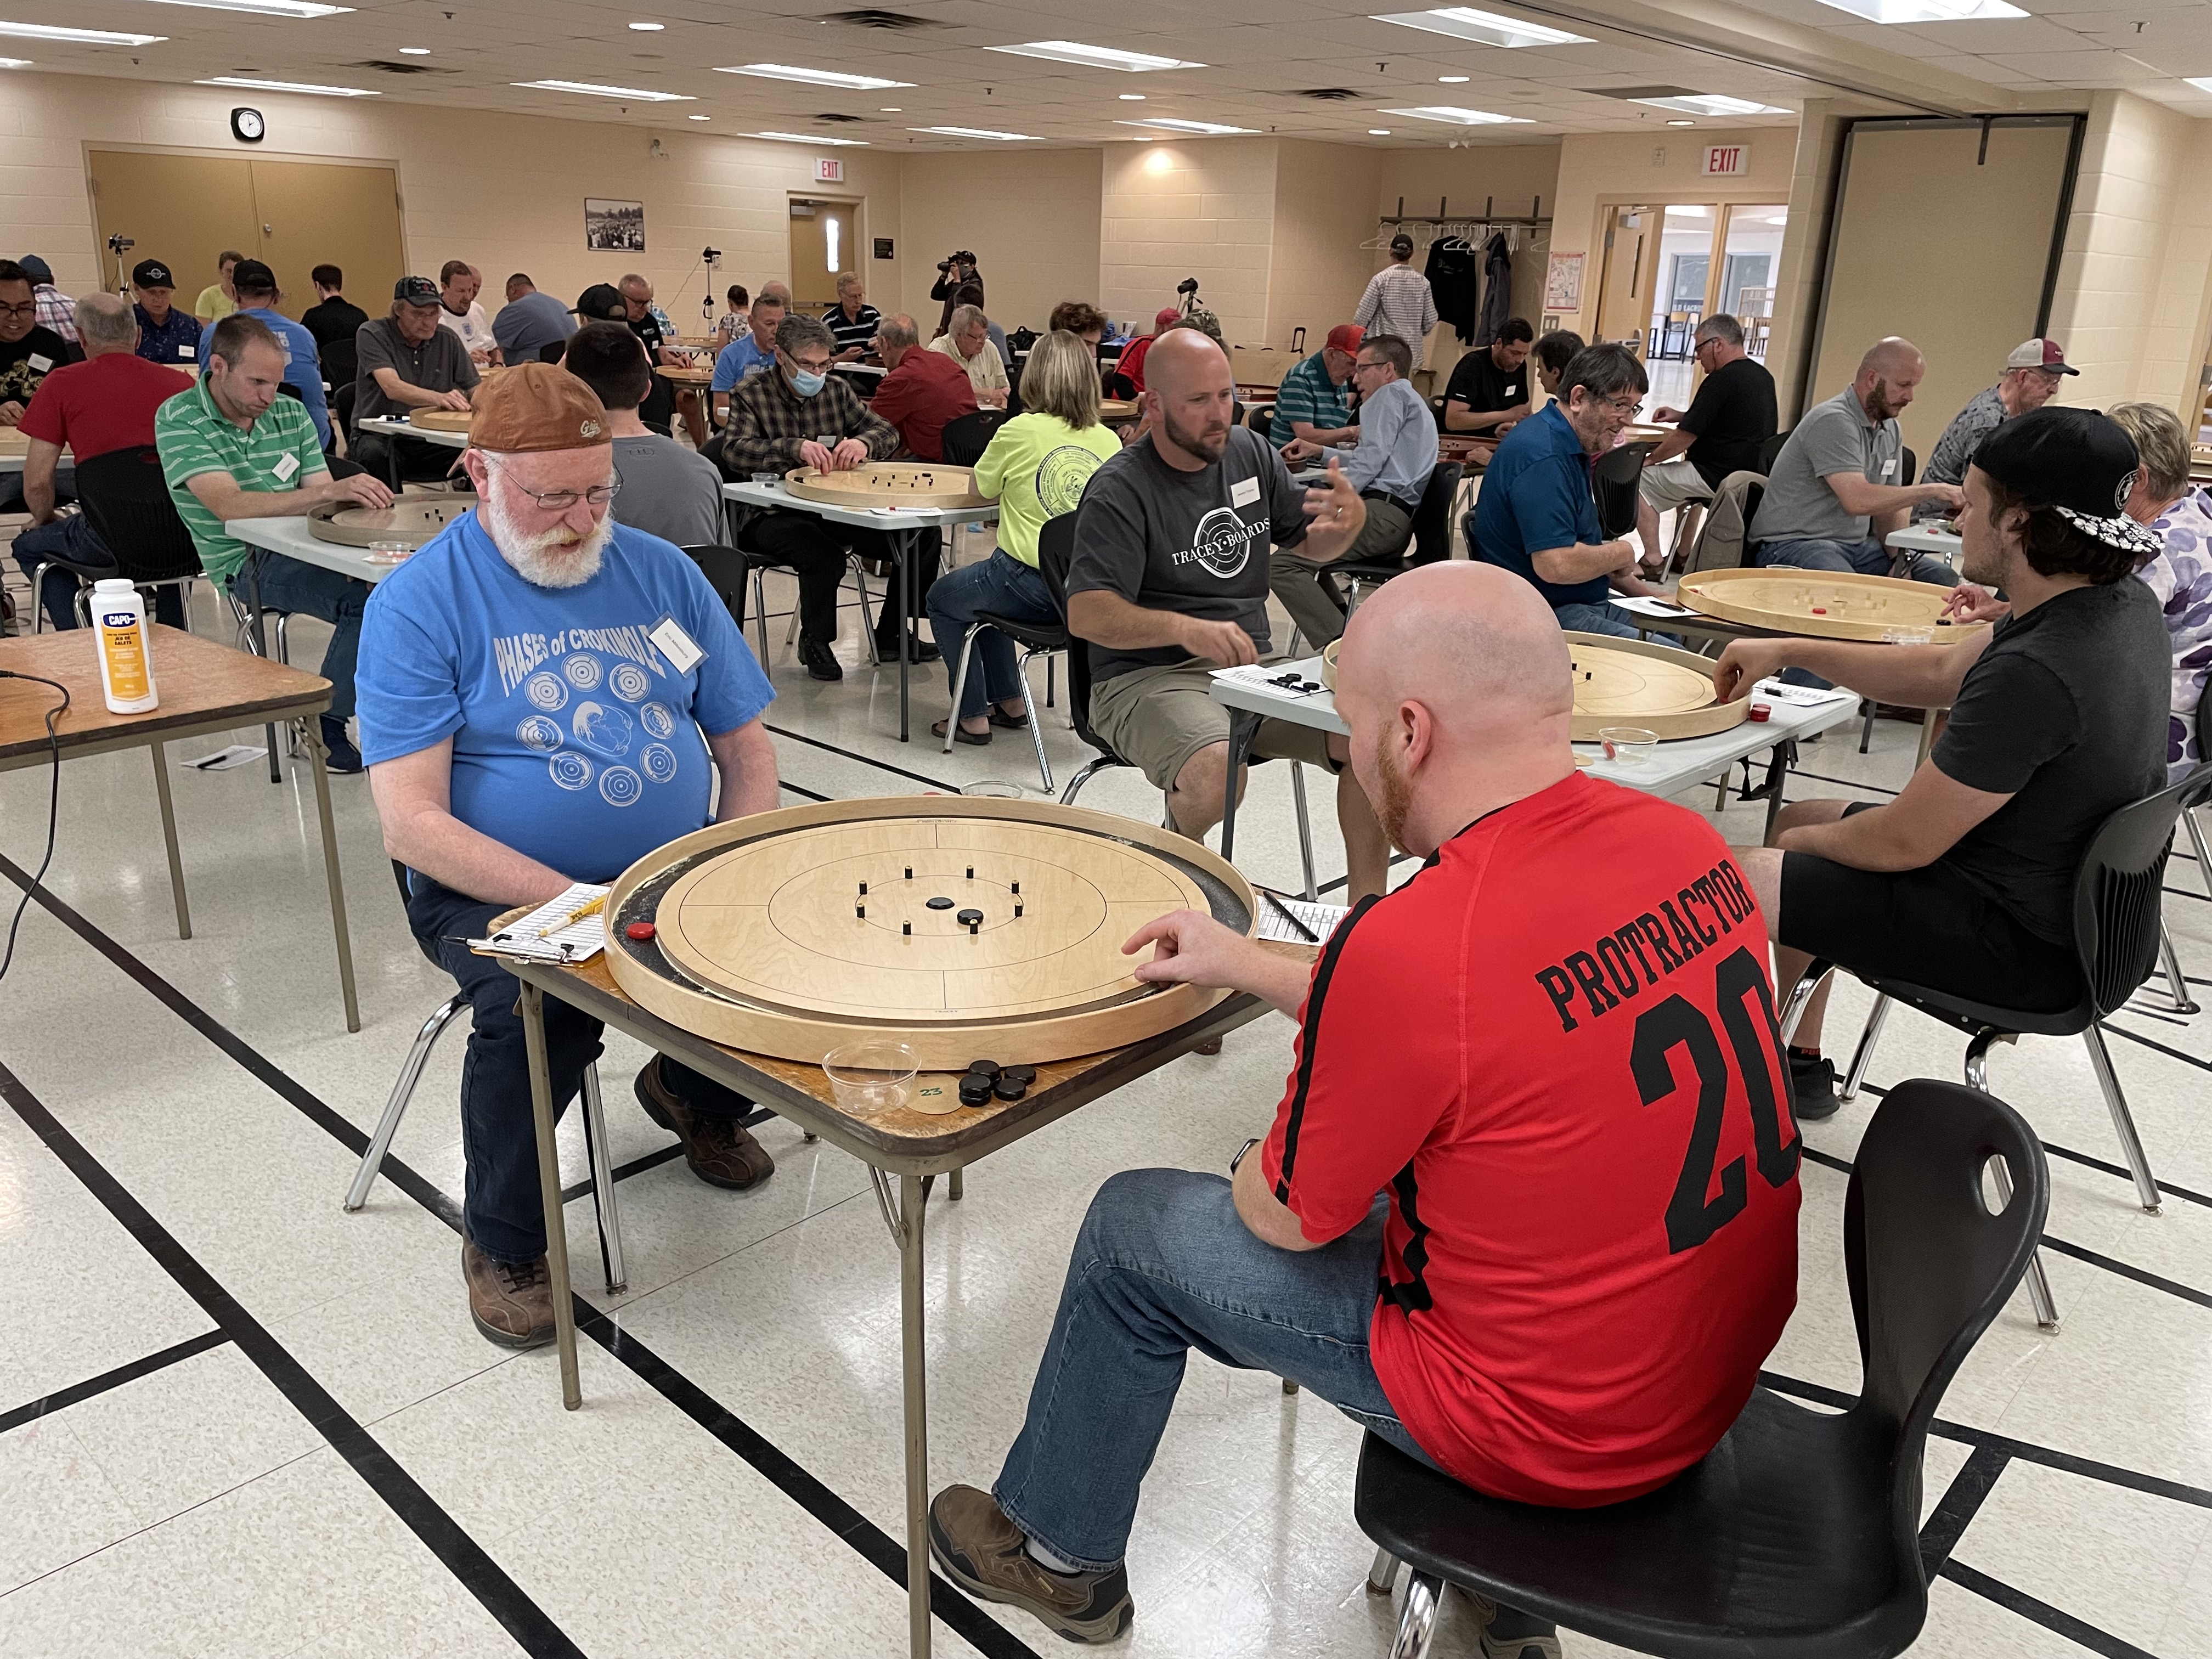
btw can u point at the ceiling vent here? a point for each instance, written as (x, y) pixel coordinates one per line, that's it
(1329, 94)
(1637, 93)
(389, 68)
(874, 17)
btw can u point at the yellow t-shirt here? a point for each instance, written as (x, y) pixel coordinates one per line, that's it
(1036, 468)
(212, 305)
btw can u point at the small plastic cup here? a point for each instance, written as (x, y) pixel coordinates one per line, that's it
(1627, 745)
(1908, 636)
(993, 788)
(389, 552)
(871, 1076)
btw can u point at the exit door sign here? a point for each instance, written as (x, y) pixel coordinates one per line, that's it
(1727, 161)
(829, 170)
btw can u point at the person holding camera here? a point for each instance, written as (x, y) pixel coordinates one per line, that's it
(954, 273)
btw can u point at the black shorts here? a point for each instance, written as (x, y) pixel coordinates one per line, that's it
(1928, 927)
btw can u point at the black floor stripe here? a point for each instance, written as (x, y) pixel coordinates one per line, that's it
(463, 1557)
(1847, 783)
(91, 1388)
(2042, 1613)
(2152, 1042)
(1961, 1501)
(865, 760)
(652, 1160)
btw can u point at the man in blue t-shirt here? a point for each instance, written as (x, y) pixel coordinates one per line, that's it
(1536, 516)
(530, 321)
(256, 285)
(748, 353)
(526, 726)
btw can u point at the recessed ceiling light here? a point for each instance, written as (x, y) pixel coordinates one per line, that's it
(973, 132)
(414, 51)
(1378, 132)
(1681, 123)
(1457, 116)
(648, 28)
(82, 37)
(1132, 97)
(1490, 27)
(263, 8)
(1926, 11)
(799, 137)
(1176, 123)
(309, 87)
(1075, 52)
(1711, 103)
(698, 117)
(593, 89)
(2202, 82)
(1451, 80)
(813, 77)
(15, 62)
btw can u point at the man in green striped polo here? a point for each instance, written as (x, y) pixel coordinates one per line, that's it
(232, 449)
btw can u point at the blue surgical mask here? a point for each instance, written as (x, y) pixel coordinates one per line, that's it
(807, 385)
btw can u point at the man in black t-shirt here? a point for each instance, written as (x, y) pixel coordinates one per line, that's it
(1965, 882)
(1489, 387)
(1731, 416)
(28, 353)
(333, 320)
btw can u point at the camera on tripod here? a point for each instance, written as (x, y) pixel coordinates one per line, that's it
(119, 245)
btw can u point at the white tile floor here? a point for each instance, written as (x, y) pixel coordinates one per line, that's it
(442, 1504)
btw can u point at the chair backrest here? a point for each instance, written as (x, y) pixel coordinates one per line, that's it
(1928, 1266)
(1432, 519)
(1910, 463)
(967, 436)
(1724, 539)
(553, 353)
(725, 570)
(127, 499)
(2117, 892)
(1262, 419)
(1055, 552)
(1768, 451)
(1617, 481)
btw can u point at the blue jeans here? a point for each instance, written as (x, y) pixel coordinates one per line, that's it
(311, 591)
(71, 537)
(1005, 587)
(1162, 1266)
(1868, 558)
(1604, 619)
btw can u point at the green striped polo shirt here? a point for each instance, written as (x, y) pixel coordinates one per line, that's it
(194, 436)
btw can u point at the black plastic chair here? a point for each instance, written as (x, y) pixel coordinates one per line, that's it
(967, 436)
(1431, 538)
(126, 501)
(1768, 450)
(2117, 939)
(553, 353)
(1910, 463)
(1036, 640)
(1262, 419)
(1617, 481)
(1797, 1537)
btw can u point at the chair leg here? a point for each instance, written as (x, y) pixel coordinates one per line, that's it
(1037, 720)
(760, 616)
(2123, 1120)
(284, 638)
(1305, 826)
(1978, 1077)
(1416, 1624)
(2177, 985)
(960, 689)
(1289, 1387)
(2196, 841)
(1865, 1052)
(1383, 1574)
(402, 1092)
(603, 1184)
(1866, 725)
(1075, 784)
(1816, 975)
(867, 627)
(1051, 677)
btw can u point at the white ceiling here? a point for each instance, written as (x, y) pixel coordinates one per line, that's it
(1261, 53)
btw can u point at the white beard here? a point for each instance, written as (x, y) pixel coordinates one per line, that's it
(548, 558)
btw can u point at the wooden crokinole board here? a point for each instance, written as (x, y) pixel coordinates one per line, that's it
(760, 942)
(1635, 682)
(413, 519)
(887, 484)
(14, 441)
(1836, 605)
(439, 420)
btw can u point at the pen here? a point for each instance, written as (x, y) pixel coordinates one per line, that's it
(575, 916)
(1284, 910)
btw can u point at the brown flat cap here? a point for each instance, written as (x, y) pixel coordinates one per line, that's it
(537, 406)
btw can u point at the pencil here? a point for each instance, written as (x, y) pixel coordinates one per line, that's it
(575, 916)
(1311, 937)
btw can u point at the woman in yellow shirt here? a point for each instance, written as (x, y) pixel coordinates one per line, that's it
(218, 299)
(1035, 469)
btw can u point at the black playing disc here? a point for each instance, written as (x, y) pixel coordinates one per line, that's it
(1009, 1087)
(968, 918)
(974, 1091)
(1026, 1073)
(989, 1068)
(940, 904)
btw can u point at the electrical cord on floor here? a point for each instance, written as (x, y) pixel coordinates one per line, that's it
(53, 806)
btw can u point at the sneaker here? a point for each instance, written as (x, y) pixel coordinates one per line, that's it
(342, 759)
(819, 660)
(512, 1301)
(918, 648)
(1813, 1086)
(721, 1152)
(1508, 1634)
(987, 1555)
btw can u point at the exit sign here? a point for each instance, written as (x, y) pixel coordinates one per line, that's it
(1727, 161)
(829, 170)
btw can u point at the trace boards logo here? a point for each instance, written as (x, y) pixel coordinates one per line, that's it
(1223, 542)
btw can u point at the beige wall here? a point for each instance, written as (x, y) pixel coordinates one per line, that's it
(1205, 209)
(1323, 212)
(1030, 216)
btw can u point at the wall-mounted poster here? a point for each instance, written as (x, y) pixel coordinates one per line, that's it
(1563, 282)
(614, 226)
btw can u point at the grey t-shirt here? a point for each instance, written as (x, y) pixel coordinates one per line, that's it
(1193, 542)
(1831, 437)
(441, 364)
(527, 326)
(669, 490)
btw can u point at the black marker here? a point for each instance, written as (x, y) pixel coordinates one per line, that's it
(1284, 911)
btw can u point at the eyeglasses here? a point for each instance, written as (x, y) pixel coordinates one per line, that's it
(560, 501)
(30, 310)
(815, 366)
(1623, 405)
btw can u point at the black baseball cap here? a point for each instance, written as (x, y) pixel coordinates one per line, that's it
(251, 276)
(1402, 243)
(2077, 460)
(36, 269)
(601, 302)
(151, 273)
(408, 290)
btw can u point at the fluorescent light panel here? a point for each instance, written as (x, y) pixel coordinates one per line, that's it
(1075, 52)
(253, 84)
(1455, 116)
(595, 91)
(15, 62)
(812, 77)
(801, 138)
(1926, 11)
(974, 132)
(300, 9)
(1711, 103)
(81, 37)
(1173, 124)
(1491, 28)
(2202, 82)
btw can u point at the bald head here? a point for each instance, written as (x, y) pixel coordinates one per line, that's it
(1888, 376)
(1191, 397)
(1891, 357)
(104, 322)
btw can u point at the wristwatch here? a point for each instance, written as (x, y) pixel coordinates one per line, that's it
(1241, 1150)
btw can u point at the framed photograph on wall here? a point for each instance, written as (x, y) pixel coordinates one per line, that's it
(614, 226)
(1563, 282)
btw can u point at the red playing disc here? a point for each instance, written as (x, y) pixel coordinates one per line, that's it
(1760, 711)
(639, 931)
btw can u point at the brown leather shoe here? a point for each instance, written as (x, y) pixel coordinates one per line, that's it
(987, 1555)
(720, 1151)
(512, 1301)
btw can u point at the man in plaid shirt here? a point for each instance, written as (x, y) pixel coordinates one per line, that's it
(57, 311)
(800, 416)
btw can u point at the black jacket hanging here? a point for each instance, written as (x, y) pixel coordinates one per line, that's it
(1452, 272)
(1497, 289)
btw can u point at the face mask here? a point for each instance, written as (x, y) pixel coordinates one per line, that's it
(807, 385)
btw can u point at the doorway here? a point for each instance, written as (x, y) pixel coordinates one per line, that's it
(825, 239)
(1632, 259)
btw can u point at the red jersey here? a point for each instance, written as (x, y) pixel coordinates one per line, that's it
(105, 403)
(919, 396)
(1555, 1050)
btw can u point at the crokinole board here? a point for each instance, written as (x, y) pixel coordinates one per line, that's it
(439, 420)
(765, 941)
(1634, 682)
(887, 484)
(1835, 606)
(413, 519)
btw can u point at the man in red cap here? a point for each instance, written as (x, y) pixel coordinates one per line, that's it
(2033, 371)
(1132, 363)
(1314, 401)
(547, 696)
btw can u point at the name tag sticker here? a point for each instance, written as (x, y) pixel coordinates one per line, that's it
(40, 361)
(189, 353)
(1244, 492)
(669, 638)
(285, 467)
(1889, 469)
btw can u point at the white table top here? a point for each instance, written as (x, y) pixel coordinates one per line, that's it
(399, 428)
(1925, 538)
(861, 368)
(290, 537)
(1675, 765)
(905, 518)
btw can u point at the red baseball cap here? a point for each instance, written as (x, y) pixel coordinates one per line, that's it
(1162, 317)
(2045, 355)
(1345, 337)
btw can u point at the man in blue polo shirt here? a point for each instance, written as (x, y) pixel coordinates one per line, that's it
(1536, 516)
(547, 696)
(167, 333)
(255, 285)
(752, 351)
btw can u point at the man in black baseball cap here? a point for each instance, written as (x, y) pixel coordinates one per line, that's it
(165, 335)
(405, 361)
(1963, 884)
(255, 287)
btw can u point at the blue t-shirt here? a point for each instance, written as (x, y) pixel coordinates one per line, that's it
(575, 741)
(525, 326)
(737, 360)
(303, 368)
(1535, 496)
